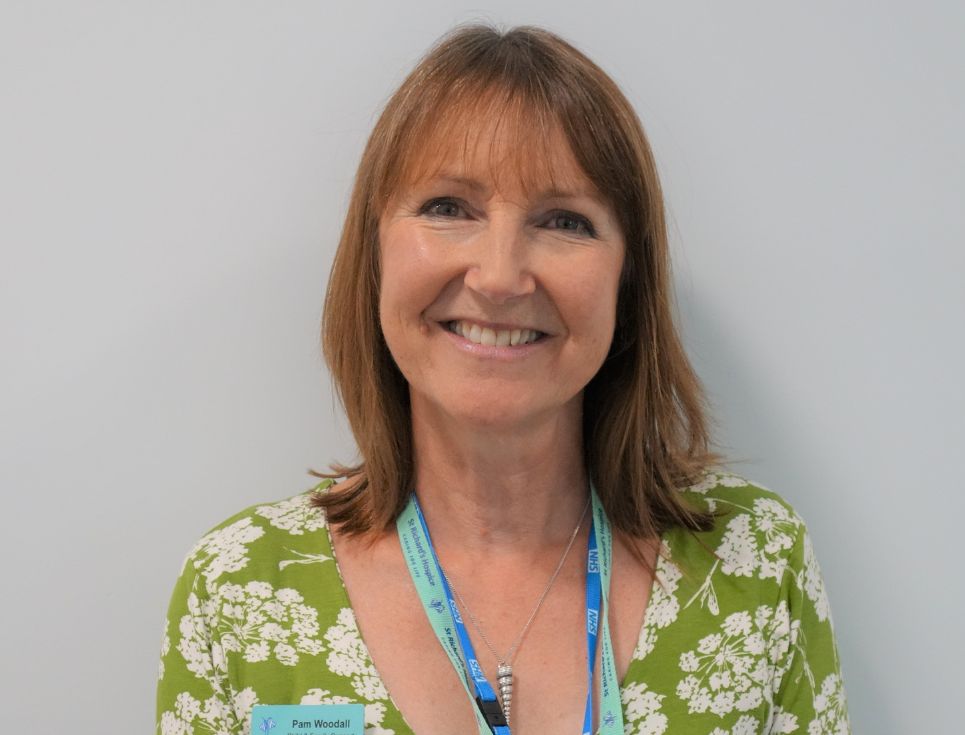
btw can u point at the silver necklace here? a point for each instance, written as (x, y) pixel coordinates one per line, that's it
(504, 669)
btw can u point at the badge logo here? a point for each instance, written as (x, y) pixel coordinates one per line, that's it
(592, 621)
(593, 561)
(455, 611)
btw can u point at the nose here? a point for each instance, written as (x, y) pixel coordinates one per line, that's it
(499, 267)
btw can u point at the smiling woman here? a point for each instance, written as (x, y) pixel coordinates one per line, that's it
(488, 143)
(498, 325)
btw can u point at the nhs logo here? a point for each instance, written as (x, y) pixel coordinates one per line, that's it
(476, 670)
(593, 561)
(455, 611)
(592, 621)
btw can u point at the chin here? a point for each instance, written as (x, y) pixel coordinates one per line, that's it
(484, 412)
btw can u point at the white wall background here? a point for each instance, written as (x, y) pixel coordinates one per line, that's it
(172, 182)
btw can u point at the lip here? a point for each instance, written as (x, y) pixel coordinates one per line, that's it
(507, 353)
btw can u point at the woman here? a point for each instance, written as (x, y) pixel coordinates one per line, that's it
(537, 507)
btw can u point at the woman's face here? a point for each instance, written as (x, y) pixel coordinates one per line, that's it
(498, 306)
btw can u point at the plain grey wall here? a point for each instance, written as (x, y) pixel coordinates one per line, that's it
(173, 178)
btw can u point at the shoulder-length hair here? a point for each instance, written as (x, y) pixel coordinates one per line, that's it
(645, 427)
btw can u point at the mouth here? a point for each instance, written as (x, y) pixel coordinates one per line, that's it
(494, 337)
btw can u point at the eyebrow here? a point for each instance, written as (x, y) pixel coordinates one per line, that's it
(550, 193)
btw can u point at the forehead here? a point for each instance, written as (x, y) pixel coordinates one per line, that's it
(493, 144)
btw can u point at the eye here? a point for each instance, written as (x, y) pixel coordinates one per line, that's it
(444, 207)
(571, 222)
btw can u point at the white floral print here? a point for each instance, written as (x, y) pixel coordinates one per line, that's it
(758, 541)
(213, 715)
(259, 621)
(813, 582)
(224, 550)
(165, 647)
(253, 620)
(738, 668)
(663, 606)
(641, 710)
(829, 704)
(712, 480)
(781, 722)
(295, 515)
(349, 657)
(745, 725)
(201, 655)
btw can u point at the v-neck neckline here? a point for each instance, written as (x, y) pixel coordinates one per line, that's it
(343, 591)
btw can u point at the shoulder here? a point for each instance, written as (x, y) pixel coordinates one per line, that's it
(757, 534)
(739, 502)
(759, 546)
(254, 541)
(719, 485)
(261, 585)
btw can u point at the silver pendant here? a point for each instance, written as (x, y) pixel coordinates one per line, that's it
(504, 679)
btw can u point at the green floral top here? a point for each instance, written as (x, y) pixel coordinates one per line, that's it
(738, 643)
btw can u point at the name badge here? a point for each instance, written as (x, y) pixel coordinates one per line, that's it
(308, 719)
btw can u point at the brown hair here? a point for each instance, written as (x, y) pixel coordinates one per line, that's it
(645, 426)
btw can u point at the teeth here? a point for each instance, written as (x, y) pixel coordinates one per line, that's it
(487, 336)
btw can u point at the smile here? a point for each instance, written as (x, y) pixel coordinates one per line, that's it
(493, 337)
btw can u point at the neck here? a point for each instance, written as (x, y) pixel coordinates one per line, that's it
(496, 491)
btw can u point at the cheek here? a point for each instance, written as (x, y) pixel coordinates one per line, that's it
(404, 260)
(413, 275)
(592, 295)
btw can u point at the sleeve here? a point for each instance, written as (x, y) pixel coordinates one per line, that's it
(193, 694)
(808, 689)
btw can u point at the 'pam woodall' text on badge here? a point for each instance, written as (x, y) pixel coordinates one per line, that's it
(308, 719)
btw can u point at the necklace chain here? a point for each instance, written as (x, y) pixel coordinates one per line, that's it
(505, 662)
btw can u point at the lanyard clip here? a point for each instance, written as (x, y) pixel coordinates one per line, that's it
(491, 711)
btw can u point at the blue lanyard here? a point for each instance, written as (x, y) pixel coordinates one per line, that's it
(594, 595)
(440, 606)
(485, 696)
